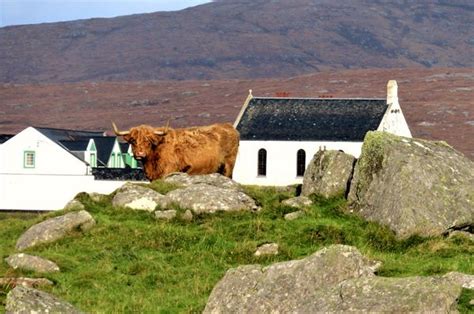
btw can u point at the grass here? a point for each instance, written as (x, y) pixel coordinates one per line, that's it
(130, 262)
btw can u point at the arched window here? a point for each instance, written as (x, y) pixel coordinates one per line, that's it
(262, 162)
(300, 162)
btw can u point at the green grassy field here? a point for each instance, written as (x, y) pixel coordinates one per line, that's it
(130, 262)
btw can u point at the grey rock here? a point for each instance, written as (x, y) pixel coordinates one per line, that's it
(97, 197)
(402, 295)
(74, 205)
(187, 216)
(413, 186)
(214, 179)
(464, 280)
(54, 229)
(291, 286)
(328, 174)
(298, 202)
(335, 279)
(165, 214)
(203, 198)
(294, 215)
(29, 300)
(136, 197)
(464, 234)
(267, 249)
(31, 262)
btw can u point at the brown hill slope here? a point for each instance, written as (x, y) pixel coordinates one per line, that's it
(436, 102)
(242, 39)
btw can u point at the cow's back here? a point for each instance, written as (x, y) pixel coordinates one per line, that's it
(208, 149)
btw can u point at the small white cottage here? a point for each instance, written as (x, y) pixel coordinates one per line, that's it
(279, 136)
(44, 168)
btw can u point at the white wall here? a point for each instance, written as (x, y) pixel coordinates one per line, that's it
(50, 158)
(56, 178)
(281, 160)
(393, 120)
(47, 192)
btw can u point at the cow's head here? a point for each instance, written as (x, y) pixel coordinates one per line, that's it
(144, 139)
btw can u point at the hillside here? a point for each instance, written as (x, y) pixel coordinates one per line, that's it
(242, 39)
(130, 262)
(436, 102)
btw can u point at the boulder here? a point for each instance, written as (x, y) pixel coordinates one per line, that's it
(334, 279)
(204, 198)
(214, 179)
(413, 186)
(165, 214)
(328, 174)
(136, 197)
(464, 280)
(31, 262)
(298, 202)
(187, 216)
(29, 300)
(97, 197)
(54, 229)
(74, 205)
(267, 249)
(294, 215)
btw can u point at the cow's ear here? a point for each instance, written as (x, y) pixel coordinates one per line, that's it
(126, 138)
(156, 139)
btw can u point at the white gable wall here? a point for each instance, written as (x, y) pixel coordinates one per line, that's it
(393, 120)
(56, 178)
(50, 158)
(281, 160)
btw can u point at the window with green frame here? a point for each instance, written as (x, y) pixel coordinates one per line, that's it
(93, 160)
(29, 159)
(112, 160)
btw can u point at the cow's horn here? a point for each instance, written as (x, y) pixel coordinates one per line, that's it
(117, 132)
(165, 131)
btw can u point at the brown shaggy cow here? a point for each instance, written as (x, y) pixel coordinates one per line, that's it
(198, 150)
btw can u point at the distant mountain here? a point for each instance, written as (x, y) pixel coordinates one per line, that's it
(243, 39)
(437, 102)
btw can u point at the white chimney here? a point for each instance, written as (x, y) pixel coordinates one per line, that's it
(392, 94)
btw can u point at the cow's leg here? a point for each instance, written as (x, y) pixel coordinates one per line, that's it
(229, 167)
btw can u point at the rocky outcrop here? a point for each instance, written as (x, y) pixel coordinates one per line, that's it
(54, 229)
(413, 186)
(137, 197)
(204, 198)
(214, 179)
(334, 279)
(328, 174)
(74, 205)
(165, 214)
(267, 249)
(29, 300)
(298, 202)
(31, 262)
(294, 215)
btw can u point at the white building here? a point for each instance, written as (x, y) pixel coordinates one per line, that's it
(43, 168)
(279, 136)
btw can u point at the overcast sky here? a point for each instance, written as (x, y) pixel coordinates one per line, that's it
(15, 12)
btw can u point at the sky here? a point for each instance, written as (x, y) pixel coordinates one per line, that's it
(17, 12)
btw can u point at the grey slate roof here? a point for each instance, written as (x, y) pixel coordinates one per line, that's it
(58, 135)
(104, 146)
(5, 137)
(310, 119)
(77, 145)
